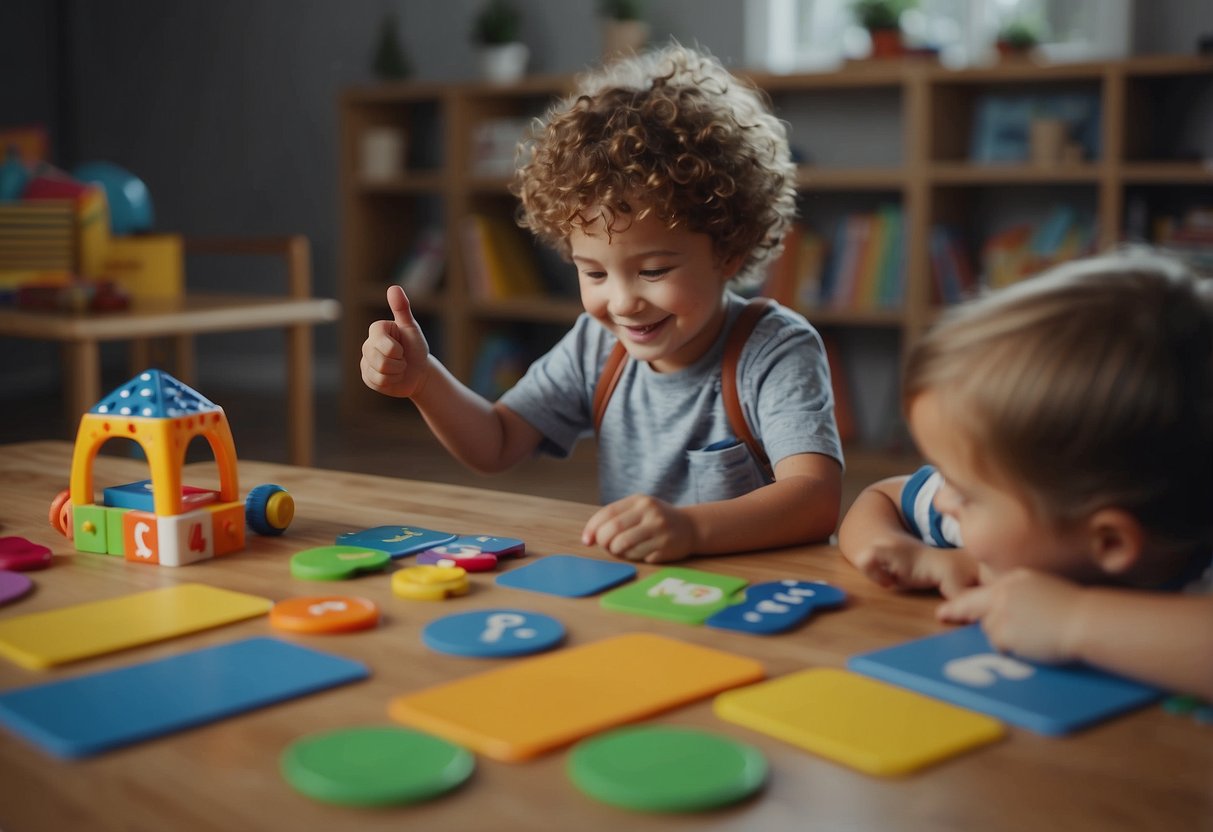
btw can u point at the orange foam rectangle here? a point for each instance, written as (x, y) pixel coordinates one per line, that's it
(536, 705)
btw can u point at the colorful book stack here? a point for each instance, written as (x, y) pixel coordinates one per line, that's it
(1025, 249)
(866, 268)
(500, 260)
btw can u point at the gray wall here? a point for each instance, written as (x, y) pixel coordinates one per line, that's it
(227, 108)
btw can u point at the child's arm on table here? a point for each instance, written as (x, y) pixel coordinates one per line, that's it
(1162, 638)
(874, 539)
(801, 506)
(396, 361)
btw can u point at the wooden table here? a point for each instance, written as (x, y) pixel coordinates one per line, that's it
(181, 318)
(1148, 770)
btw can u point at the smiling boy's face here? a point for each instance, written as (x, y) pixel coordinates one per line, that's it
(997, 521)
(660, 291)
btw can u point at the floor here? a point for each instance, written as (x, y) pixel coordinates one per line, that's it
(391, 440)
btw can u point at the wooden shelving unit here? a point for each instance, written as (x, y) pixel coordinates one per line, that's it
(924, 169)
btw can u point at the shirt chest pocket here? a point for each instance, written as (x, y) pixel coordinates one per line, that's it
(722, 473)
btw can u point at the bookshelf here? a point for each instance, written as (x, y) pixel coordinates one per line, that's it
(906, 140)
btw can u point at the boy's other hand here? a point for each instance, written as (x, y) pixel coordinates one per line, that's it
(1027, 613)
(395, 354)
(641, 528)
(902, 563)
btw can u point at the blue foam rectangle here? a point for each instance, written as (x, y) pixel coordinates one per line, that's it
(100, 711)
(569, 576)
(962, 667)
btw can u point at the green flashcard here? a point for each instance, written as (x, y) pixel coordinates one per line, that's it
(676, 594)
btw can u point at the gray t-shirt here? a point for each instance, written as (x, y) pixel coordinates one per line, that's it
(667, 434)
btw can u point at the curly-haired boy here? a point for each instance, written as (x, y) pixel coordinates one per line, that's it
(663, 179)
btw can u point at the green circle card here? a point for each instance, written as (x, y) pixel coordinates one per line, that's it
(337, 563)
(374, 766)
(664, 769)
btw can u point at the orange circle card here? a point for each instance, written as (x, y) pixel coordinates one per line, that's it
(324, 614)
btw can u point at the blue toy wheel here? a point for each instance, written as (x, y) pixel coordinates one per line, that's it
(268, 509)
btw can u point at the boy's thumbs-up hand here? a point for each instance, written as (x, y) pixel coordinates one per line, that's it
(395, 355)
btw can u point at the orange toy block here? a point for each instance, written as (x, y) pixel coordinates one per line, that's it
(227, 527)
(140, 539)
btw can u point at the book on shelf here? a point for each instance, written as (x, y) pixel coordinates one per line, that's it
(865, 269)
(951, 269)
(500, 259)
(420, 270)
(1025, 249)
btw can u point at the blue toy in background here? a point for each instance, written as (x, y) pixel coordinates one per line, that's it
(568, 576)
(397, 541)
(962, 667)
(130, 204)
(493, 633)
(777, 606)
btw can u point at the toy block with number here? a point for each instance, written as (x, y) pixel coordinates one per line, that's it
(168, 541)
(140, 537)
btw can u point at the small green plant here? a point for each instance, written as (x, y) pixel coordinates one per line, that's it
(389, 61)
(498, 22)
(1021, 33)
(621, 9)
(881, 14)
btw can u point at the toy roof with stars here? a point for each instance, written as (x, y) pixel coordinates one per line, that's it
(154, 394)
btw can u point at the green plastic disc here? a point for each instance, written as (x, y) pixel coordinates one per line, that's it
(374, 766)
(337, 563)
(661, 769)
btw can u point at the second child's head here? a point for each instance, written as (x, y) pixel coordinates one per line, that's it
(662, 178)
(1072, 418)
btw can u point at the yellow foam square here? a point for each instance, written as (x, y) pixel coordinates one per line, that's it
(857, 721)
(524, 709)
(43, 639)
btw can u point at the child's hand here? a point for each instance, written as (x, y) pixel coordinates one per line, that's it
(1027, 613)
(904, 563)
(395, 352)
(641, 528)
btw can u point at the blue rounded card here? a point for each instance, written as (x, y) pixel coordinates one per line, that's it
(495, 633)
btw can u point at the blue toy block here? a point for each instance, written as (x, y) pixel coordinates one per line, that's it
(397, 541)
(962, 667)
(93, 713)
(777, 606)
(493, 633)
(569, 576)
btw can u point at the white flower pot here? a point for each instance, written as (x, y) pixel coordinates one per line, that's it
(504, 63)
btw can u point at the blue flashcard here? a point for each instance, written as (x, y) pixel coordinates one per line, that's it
(138, 495)
(568, 575)
(397, 541)
(962, 667)
(777, 606)
(100, 711)
(493, 633)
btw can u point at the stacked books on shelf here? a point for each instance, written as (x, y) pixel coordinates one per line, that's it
(862, 267)
(951, 268)
(500, 259)
(1188, 237)
(1024, 249)
(420, 270)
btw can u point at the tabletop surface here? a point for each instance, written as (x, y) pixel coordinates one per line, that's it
(1146, 770)
(187, 314)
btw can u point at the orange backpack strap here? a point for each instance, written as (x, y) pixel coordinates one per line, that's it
(612, 371)
(738, 335)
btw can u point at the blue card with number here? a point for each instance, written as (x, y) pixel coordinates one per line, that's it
(962, 667)
(493, 633)
(89, 714)
(777, 606)
(397, 541)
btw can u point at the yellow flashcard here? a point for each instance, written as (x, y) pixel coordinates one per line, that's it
(524, 709)
(44, 639)
(857, 721)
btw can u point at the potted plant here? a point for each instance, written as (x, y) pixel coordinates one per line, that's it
(882, 19)
(624, 28)
(1018, 37)
(495, 30)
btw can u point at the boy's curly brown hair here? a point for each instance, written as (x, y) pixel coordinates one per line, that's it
(671, 132)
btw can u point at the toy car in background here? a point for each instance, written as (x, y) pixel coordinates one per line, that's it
(160, 520)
